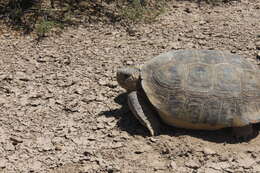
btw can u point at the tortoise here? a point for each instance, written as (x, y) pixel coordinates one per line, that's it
(195, 89)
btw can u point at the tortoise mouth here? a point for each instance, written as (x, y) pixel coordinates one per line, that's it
(128, 77)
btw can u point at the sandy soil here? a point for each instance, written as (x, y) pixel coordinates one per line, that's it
(63, 112)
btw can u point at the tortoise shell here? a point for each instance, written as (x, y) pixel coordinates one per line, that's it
(203, 89)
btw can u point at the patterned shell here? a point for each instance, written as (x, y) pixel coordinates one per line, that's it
(203, 89)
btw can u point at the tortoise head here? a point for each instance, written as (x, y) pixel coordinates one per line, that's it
(128, 77)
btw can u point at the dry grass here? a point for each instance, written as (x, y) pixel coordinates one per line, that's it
(41, 16)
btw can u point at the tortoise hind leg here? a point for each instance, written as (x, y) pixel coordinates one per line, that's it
(143, 111)
(245, 132)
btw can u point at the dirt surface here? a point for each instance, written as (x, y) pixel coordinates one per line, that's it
(63, 112)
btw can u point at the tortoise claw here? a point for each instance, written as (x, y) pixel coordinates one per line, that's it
(143, 111)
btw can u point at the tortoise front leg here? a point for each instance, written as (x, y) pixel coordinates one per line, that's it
(244, 132)
(143, 111)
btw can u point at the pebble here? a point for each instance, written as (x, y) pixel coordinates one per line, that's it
(9, 147)
(209, 170)
(258, 55)
(3, 163)
(192, 164)
(173, 165)
(16, 140)
(187, 10)
(45, 144)
(35, 166)
(174, 45)
(102, 82)
(257, 44)
(202, 22)
(112, 84)
(23, 76)
(129, 62)
(218, 166)
(208, 151)
(246, 162)
(256, 168)
(153, 139)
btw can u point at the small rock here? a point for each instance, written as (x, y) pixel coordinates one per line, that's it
(83, 4)
(35, 166)
(23, 76)
(124, 135)
(79, 91)
(202, 22)
(210, 170)
(142, 149)
(100, 98)
(258, 55)
(112, 84)
(182, 169)
(16, 140)
(187, 10)
(6, 35)
(129, 62)
(199, 36)
(58, 147)
(208, 151)
(106, 50)
(153, 139)
(218, 166)
(41, 59)
(111, 169)
(117, 145)
(101, 162)
(246, 162)
(257, 44)
(3, 135)
(173, 165)
(223, 158)
(202, 42)
(251, 46)
(223, 165)
(190, 45)
(100, 126)
(9, 147)
(6, 77)
(3, 163)
(174, 45)
(35, 102)
(102, 82)
(131, 31)
(45, 144)
(192, 164)
(256, 168)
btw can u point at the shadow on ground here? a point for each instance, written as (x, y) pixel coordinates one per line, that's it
(24, 15)
(131, 125)
(213, 2)
(127, 122)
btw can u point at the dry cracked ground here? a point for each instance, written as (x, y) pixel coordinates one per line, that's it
(63, 112)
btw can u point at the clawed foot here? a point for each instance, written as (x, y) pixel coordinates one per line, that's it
(244, 133)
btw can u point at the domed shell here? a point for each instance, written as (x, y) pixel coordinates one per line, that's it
(203, 89)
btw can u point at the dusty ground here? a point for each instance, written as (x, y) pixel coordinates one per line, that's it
(62, 110)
